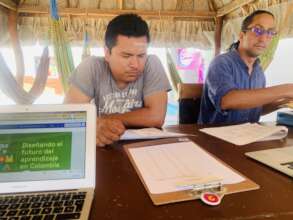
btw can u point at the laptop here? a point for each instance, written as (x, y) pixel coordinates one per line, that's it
(47, 161)
(280, 159)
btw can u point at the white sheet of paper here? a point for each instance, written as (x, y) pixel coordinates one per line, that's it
(168, 167)
(276, 136)
(247, 133)
(148, 133)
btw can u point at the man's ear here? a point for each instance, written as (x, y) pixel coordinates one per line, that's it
(241, 35)
(107, 53)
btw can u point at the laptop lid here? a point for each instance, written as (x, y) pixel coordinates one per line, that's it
(47, 147)
(280, 159)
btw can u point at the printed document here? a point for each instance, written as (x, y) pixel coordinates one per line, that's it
(148, 133)
(247, 133)
(173, 167)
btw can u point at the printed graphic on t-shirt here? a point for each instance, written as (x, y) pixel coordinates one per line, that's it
(120, 102)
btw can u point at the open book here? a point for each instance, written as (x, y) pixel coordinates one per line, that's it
(247, 133)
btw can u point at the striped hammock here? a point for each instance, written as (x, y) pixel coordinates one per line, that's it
(62, 50)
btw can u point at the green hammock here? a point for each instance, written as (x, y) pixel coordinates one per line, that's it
(174, 75)
(267, 57)
(61, 47)
(86, 52)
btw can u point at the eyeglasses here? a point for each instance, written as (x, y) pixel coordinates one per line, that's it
(261, 31)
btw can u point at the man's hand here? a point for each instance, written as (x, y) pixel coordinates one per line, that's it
(241, 99)
(108, 131)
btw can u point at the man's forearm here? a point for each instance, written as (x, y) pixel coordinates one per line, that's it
(274, 106)
(246, 99)
(143, 117)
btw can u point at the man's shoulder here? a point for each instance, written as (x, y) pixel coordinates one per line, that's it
(152, 58)
(225, 58)
(222, 63)
(93, 64)
(153, 63)
(92, 60)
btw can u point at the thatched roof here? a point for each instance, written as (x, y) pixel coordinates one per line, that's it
(172, 22)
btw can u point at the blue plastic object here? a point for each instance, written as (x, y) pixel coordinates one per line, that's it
(285, 118)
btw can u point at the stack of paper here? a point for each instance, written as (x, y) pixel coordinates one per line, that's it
(247, 133)
(148, 133)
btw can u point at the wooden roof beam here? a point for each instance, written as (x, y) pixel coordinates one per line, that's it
(233, 5)
(8, 4)
(120, 4)
(199, 14)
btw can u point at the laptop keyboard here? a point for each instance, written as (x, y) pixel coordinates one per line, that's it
(50, 206)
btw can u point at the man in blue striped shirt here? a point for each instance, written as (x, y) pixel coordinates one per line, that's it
(234, 90)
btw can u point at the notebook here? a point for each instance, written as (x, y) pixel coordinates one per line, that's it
(280, 159)
(47, 161)
(247, 133)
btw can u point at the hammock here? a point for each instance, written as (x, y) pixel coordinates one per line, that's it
(61, 47)
(12, 89)
(86, 49)
(267, 57)
(174, 75)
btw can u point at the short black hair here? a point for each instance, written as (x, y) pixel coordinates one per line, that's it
(130, 25)
(246, 22)
(249, 19)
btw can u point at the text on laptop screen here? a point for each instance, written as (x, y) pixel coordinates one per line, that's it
(42, 146)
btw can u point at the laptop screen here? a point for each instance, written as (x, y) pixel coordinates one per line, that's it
(38, 146)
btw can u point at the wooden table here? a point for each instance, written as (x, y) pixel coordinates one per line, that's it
(121, 195)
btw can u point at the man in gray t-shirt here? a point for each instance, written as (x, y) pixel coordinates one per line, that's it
(129, 87)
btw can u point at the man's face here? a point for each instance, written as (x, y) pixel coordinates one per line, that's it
(258, 36)
(127, 58)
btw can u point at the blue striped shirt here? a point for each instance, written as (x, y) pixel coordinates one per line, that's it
(229, 72)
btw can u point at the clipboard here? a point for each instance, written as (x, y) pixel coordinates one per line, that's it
(195, 191)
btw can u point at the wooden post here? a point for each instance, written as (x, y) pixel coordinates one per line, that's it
(120, 4)
(218, 33)
(12, 28)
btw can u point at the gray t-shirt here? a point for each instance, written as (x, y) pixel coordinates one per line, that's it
(94, 78)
